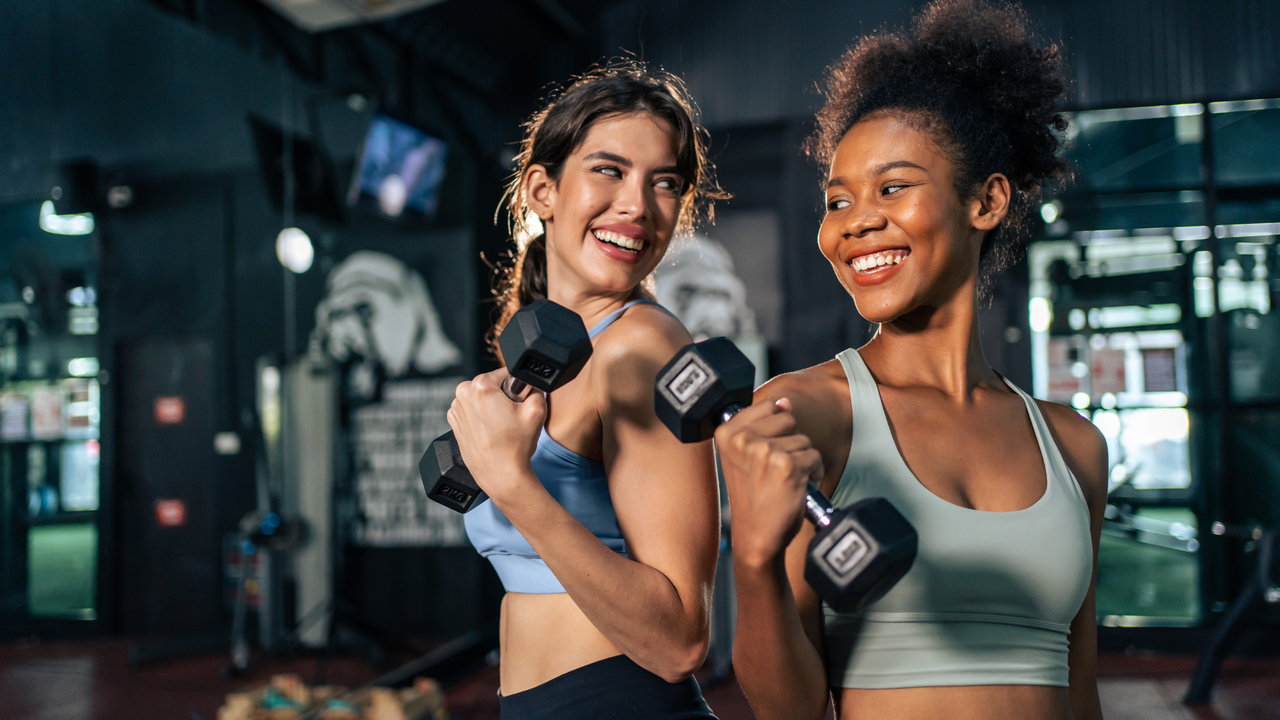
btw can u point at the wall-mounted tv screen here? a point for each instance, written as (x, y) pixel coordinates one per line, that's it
(400, 169)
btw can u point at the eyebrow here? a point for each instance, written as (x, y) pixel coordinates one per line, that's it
(880, 170)
(895, 165)
(602, 155)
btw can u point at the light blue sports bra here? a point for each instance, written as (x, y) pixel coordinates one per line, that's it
(991, 595)
(577, 483)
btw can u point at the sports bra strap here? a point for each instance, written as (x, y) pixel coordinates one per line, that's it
(1061, 472)
(608, 319)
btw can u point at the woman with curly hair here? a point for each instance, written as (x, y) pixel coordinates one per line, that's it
(935, 142)
(602, 526)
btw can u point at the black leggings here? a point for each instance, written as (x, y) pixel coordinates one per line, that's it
(612, 689)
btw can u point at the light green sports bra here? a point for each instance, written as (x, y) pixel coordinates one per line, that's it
(991, 596)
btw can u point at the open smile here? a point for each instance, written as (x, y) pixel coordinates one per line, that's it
(630, 244)
(878, 262)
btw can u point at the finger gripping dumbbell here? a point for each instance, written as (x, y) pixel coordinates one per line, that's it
(860, 552)
(544, 345)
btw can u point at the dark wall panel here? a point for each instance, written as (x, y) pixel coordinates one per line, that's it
(170, 579)
(122, 82)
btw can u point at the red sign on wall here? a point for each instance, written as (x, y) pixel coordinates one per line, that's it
(1107, 371)
(171, 512)
(171, 410)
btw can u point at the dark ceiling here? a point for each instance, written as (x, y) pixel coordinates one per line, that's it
(474, 66)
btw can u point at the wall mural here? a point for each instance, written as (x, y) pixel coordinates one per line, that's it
(377, 320)
(696, 281)
(378, 311)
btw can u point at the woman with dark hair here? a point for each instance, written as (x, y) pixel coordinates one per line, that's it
(603, 527)
(935, 143)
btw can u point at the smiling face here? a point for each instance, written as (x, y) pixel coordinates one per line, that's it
(896, 232)
(610, 215)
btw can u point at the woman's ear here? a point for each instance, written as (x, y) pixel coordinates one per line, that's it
(539, 191)
(991, 204)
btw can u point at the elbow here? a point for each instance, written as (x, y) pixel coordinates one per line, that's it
(683, 660)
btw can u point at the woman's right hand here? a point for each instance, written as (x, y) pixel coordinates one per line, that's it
(497, 436)
(766, 467)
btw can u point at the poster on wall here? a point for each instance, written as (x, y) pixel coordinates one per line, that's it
(46, 413)
(13, 416)
(379, 323)
(389, 437)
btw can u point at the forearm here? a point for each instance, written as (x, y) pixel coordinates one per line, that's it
(635, 606)
(1085, 704)
(777, 665)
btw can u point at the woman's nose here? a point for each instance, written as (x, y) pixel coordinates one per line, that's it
(860, 223)
(632, 199)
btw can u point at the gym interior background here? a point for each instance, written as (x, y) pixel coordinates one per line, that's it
(208, 459)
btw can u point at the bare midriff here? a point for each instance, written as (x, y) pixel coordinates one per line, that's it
(543, 637)
(971, 702)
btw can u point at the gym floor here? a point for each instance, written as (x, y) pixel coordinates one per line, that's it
(94, 681)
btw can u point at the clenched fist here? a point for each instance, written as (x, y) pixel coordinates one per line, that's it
(496, 436)
(766, 466)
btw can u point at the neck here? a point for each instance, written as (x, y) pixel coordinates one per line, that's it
(936, 346)
(592, 303)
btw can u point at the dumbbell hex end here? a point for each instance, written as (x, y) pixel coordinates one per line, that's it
(545, 345)
(699, 385)
(446, 479)
(861, 555)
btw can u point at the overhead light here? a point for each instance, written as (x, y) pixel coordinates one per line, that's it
(1039, 314)
(82, 296)
(293, 248)
(319, 15)
(1050, 211)
(51, 222)
(83, 367)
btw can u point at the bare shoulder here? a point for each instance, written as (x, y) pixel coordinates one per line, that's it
(820, 401)
(626, 357)
(645, 332)
(1082, 447)
(805, 387)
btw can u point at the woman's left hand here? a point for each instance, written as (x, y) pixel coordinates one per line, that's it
(497, 436)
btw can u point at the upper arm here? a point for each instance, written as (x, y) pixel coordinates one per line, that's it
(664, 492)
(1085, 451)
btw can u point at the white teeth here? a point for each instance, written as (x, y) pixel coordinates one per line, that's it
(868, 263)
(622, 241)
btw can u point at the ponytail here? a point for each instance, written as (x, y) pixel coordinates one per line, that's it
(519, 284)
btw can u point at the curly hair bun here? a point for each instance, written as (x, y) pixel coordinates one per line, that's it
(973, 74)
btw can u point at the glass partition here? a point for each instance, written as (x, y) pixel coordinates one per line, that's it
(1140, 262)
(1127, 149)
(49, 414)
(1109, 326)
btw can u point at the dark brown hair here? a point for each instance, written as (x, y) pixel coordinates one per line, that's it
(558, 129)
(970, 73)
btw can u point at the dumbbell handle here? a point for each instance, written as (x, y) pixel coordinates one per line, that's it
(512, 387)
(817, 508)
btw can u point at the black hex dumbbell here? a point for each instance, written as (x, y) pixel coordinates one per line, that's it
(859, 552)
(544, 345)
